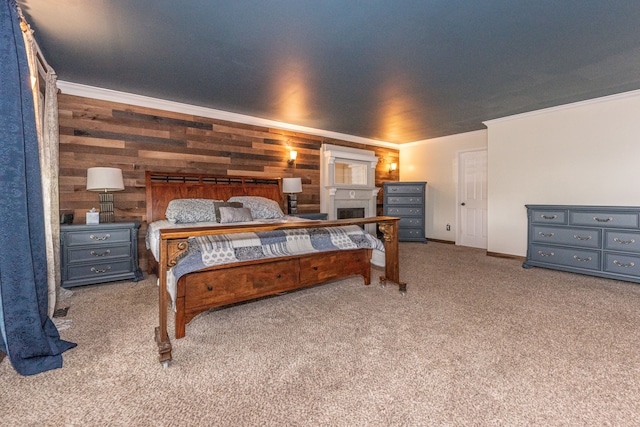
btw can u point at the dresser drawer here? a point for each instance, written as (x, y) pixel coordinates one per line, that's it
(622, 264)
(411, 233)
(626, 241)
(405, 200)
(403, 211)
(583, 237)
(407, 222)
(404, 189)
(99, 269)
(76, 238)
(570, 257)
(604, 219)
(103, 253)
(549, 216)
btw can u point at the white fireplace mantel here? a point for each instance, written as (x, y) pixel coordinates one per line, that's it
(335, 195)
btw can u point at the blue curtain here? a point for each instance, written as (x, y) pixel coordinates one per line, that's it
(27, 335)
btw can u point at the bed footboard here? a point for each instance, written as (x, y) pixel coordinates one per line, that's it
(203, 290)
(224, 285)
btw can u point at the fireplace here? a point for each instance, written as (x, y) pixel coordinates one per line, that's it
(348, 183)
(344, 213)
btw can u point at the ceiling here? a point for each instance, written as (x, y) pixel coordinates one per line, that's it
(395, 70)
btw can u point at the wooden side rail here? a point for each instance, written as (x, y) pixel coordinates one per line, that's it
(174, 242)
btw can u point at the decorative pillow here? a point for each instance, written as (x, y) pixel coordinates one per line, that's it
(181, 211)
(218, 205)
(229, 214)
(261, 207)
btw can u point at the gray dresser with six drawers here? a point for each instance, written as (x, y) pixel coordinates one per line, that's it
(99, 253)
(596, 240)
(407, 201)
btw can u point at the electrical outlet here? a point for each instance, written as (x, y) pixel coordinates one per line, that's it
(448, 227)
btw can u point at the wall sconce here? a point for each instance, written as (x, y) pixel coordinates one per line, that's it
(293, 155)
(105, 180)
(393, 167)
(290, 186)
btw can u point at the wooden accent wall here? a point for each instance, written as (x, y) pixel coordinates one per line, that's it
(137, 139)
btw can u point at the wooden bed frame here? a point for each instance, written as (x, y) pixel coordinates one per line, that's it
(232, 283)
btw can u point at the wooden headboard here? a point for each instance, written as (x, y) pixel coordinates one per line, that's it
(162, 187)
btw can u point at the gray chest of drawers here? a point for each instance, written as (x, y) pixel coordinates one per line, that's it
(407, 201)
(99, 253)
(596, 240)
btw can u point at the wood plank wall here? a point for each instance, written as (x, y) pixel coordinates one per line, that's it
(137, 139)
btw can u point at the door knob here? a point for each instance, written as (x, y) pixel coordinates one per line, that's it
(462, 204)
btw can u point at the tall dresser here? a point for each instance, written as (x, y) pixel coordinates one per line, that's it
(99, 253)
(595, 240)
(407, 201)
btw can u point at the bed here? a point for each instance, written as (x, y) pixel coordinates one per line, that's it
(225, 284)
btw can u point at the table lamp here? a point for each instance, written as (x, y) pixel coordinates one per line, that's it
(291, 186)
(105, 180)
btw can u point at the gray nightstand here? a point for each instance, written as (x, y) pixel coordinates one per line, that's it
(99, 253)
(321, 216)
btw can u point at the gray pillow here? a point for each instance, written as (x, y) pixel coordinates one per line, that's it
(180, 211)
(229, 215)
(261, 207)
(217, 205)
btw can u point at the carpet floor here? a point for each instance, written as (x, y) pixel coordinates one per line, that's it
(476, 341)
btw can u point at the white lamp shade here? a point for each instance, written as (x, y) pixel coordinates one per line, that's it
(104, 179)
(291, 185)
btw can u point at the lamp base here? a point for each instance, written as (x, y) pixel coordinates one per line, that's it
(292, 204)
(106, 208)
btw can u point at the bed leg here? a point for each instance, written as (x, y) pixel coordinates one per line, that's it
(164, 348)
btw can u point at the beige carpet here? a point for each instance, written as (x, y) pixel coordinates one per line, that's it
(477, 341)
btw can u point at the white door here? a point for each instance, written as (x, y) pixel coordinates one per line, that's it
(472, 199)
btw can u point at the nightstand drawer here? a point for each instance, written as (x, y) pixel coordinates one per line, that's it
(99, 269)
(99, 236)
(82, 254)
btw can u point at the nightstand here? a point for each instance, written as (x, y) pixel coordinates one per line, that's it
(99, 253)
(321, 216)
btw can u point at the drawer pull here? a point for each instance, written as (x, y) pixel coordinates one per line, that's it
(575, 236)
(577, 258)
(624, 242)
(107, 252)
(543, 216)
(546, 235)
(619, 264)
(209, 288)
(278, 276)
(105, 237)
(595, 218)
(545, 253)
(100, 270)
(315, 267)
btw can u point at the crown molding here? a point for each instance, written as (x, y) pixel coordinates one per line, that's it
(86, 91)
(550, 110)
(446, 137)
